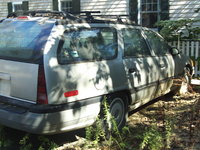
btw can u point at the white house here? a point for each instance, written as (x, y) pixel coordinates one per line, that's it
(144, 12)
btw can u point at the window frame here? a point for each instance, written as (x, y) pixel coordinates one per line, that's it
(159, 36)
(16, 3)
(145, 41)
(149, 12)
(60, 5)
(60, 44)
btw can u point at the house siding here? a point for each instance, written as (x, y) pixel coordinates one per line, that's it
(40, 4)
(3, 8)
(184, 9)
(106, 7)
(33, 5)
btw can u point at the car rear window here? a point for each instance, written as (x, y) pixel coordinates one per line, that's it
(88, 45)
(19, 40)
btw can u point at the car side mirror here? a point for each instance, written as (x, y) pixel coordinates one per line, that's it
(175, 51)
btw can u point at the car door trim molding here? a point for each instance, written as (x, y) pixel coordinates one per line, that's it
(154, 83)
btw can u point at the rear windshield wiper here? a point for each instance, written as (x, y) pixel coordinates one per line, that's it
(2, 20)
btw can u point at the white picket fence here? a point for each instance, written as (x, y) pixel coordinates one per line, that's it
(191, 49)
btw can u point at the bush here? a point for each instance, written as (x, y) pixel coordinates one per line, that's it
(171, 29)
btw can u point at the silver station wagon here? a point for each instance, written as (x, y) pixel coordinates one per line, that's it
(55, 69)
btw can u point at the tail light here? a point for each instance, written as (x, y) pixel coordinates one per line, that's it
(41, 90)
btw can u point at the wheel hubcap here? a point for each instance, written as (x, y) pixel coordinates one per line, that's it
(117, 110)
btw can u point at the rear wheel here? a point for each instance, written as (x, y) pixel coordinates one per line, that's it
(117, 104)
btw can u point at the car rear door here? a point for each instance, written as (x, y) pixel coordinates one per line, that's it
(141, 69)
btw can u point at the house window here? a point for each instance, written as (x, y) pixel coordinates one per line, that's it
(149, 12)
(65, 5)
(17, 6)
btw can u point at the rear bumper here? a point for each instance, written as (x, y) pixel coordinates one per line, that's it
(48, 119)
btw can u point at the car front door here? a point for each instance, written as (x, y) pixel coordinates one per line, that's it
(163, 60)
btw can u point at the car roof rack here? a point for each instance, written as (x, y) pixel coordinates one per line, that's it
(89, 16)
(2, 20)
(95, 17)
(39, 13)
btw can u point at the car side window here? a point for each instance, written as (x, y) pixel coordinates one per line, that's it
(134, 43)
(87, 45)
(157, 43)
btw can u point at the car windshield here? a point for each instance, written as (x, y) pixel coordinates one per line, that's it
(20, 39)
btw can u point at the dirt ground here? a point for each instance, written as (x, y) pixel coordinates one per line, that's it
(183, 113)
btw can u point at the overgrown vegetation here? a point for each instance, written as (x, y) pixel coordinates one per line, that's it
(151, 138)
(157, 127)
(24, 141)
(172, 30)
(43, 143)
(106, 130)
(4, 141)
(148, 137)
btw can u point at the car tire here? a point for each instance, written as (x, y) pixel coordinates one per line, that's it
(117, 104)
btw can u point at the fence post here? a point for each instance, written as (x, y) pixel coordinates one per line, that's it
(197, 67)
(188, 48)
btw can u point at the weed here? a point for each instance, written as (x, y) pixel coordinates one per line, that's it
(169, 123)
(25, 143)
(4, 141)
(43, 143)
(106, 129)
(151, 138)
(95, 134)
(46, 143)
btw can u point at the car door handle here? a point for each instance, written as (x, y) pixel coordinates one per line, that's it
(4, 76)
(162, 66)
(132, 70)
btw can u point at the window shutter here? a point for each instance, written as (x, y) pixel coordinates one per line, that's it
(133, 10)
(76, 6)
(164, 7)
(10, 8)
(25, 5)
(55, 5)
